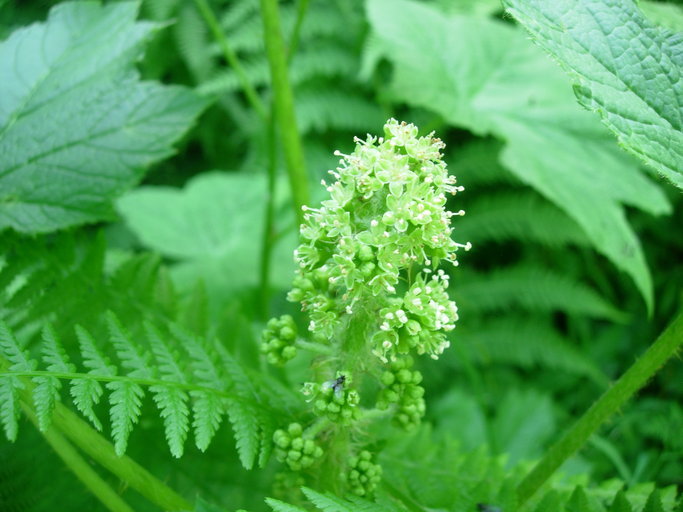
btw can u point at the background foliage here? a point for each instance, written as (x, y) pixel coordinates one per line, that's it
(575, 267)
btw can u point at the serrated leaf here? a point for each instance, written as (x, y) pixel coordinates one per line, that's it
(172, 402)
(247, 432)
(327, 502)
(485, 76)
(207, 410)
(46, 393)
(624, 68)
(125, 400)
(9, 406)
(620, 503)
(654, 502)
(77, 127)
(10, 385)
(132, 355)
(87, 392)
(281, 506)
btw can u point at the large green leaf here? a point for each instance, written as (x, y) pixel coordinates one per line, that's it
(624, 68)
(213, 227)
(77, 126)
(485, 76)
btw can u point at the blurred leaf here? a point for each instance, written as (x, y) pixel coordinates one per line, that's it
(485, 76)
(623, 67)
(524, 423)
(77, 127)
(213, 227)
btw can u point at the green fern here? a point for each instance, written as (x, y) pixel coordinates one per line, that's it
(533, 288)
(213, 392)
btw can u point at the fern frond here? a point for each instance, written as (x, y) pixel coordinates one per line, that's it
(18, 360)
(171, 401)
(193, 41)
(281, 506)
(47, 391)
(522, 216)
(525, 342)
(326, 109)
(532, 288)
(86, 393)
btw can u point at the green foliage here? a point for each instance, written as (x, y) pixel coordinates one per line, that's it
(506, 98)
(63, 80)
(624, 68)
(152, 326)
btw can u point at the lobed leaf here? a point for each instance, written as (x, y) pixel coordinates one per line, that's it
(483, 75)
(624, 68)
(77, 126)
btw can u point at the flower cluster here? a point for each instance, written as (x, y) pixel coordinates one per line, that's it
(277, 340)
(404, 391)
(363, 475)
(385, 224)
(334, 398)
(293, 449)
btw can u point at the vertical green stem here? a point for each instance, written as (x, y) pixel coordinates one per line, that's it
(269, 221)
(635, 377)
(231, 58)
(101, 450)
(78, 466)
(302, 7)
(285, 116)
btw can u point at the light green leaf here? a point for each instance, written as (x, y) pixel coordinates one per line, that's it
(213, 227)
(623, 67)
(77, 126)
(485, 76)
(523, 423)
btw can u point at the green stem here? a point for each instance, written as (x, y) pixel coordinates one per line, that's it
(284, 107)
(115, 378)
(102, 451)
(231, 58)
(269, 222)
(635, 377)
(78, 466)
(301, 10)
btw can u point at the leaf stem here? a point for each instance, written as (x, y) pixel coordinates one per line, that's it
(285, 116)
(668, 343)
(269, 221)
(115, 378)
(101, 450)
(78, 466)
(301, 9)
(231, 58)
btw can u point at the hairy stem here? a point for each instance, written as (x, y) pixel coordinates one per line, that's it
(78, 466)
(285, 116)
(102, 451)
(231, 58)
(635, 377)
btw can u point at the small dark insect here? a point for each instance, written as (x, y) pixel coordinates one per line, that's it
(337, 384)
(487, 508)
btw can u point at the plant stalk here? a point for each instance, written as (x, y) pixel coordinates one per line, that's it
(668, 343)
(102, 451)
(285, 116)
(78, 466)
(269, 214)
(231, 58)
